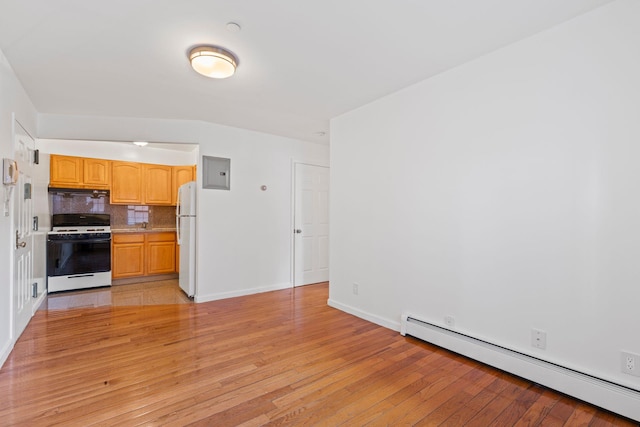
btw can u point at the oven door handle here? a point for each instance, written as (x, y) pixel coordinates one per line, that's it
(91, 241)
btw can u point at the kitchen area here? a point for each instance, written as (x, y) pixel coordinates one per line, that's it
(111, 226)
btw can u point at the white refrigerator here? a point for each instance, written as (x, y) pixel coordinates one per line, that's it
(186, 229)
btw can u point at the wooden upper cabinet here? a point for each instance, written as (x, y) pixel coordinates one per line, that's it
(66, 171)
(157, 184)
(131, 183)
(79, 172)
(97, 173)
(180, 175)
(126, 183)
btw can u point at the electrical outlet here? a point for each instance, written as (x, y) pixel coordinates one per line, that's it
(355, 289)
(450, 321)
(630, 363)
(539, 339)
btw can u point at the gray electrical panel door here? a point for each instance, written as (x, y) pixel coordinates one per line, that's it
(216, 173)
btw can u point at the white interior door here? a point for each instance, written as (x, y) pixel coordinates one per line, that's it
(311, 224)
(22, 237)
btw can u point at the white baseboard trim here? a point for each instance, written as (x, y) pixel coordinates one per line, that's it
(240, 293)
(614, 397)
(38, 303)
(394, 326)
(6, 351)
(42, 294)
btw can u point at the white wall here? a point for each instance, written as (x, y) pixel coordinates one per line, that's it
(504, 193)
(13, 99)
(244, 235)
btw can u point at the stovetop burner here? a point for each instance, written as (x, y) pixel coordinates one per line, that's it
(80, 223)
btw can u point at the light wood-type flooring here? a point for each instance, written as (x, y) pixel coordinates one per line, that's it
(149, 293)
(277, 358)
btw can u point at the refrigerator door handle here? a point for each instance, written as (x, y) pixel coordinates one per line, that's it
(178, 230)
(178, 201)
(178, 215)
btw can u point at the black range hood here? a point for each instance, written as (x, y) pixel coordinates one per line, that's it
(80, 192)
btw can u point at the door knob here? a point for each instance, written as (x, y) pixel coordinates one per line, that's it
(19, 244)
(298, 231)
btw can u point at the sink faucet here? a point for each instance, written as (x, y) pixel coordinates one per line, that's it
(145, 224)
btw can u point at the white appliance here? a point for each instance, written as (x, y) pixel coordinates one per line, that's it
(186, 229)
(79, 251)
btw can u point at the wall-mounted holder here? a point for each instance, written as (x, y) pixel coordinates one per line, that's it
(216, 173)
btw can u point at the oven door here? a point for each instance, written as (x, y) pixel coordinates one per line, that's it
(78, 254)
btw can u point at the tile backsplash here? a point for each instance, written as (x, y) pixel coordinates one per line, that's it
(122, 216)
(75, 203)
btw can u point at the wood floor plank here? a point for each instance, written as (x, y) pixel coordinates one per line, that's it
(453, 412)
(277, 358)
(518, 407)
(369, 394)
(423, 404)
(538, 411)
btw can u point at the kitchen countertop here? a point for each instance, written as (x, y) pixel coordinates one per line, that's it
(143, 230)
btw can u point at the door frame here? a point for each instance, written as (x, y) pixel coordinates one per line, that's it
(292, 237)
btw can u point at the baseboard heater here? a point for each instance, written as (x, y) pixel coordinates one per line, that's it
(611, 396)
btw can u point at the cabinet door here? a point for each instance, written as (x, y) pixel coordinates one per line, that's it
(66, 171)
(97, 173)
(127, 259)
(157, 183)
(180, 175)
(126, 183)
(161, 251)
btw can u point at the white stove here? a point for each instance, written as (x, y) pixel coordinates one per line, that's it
(79, 252)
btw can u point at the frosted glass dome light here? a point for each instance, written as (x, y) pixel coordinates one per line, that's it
(213, 61)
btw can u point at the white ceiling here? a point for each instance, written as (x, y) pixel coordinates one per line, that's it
(301, 62)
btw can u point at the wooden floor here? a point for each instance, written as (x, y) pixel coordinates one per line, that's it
(278, 358)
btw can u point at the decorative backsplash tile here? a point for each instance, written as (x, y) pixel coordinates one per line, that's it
(122, 216)
(163, 216)
(79, 204)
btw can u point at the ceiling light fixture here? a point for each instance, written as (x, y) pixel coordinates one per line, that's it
(213, 61)
(140, 143)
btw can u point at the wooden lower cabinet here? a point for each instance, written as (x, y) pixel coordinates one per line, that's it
(127, 255)
(143, 254)
(161, 253)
